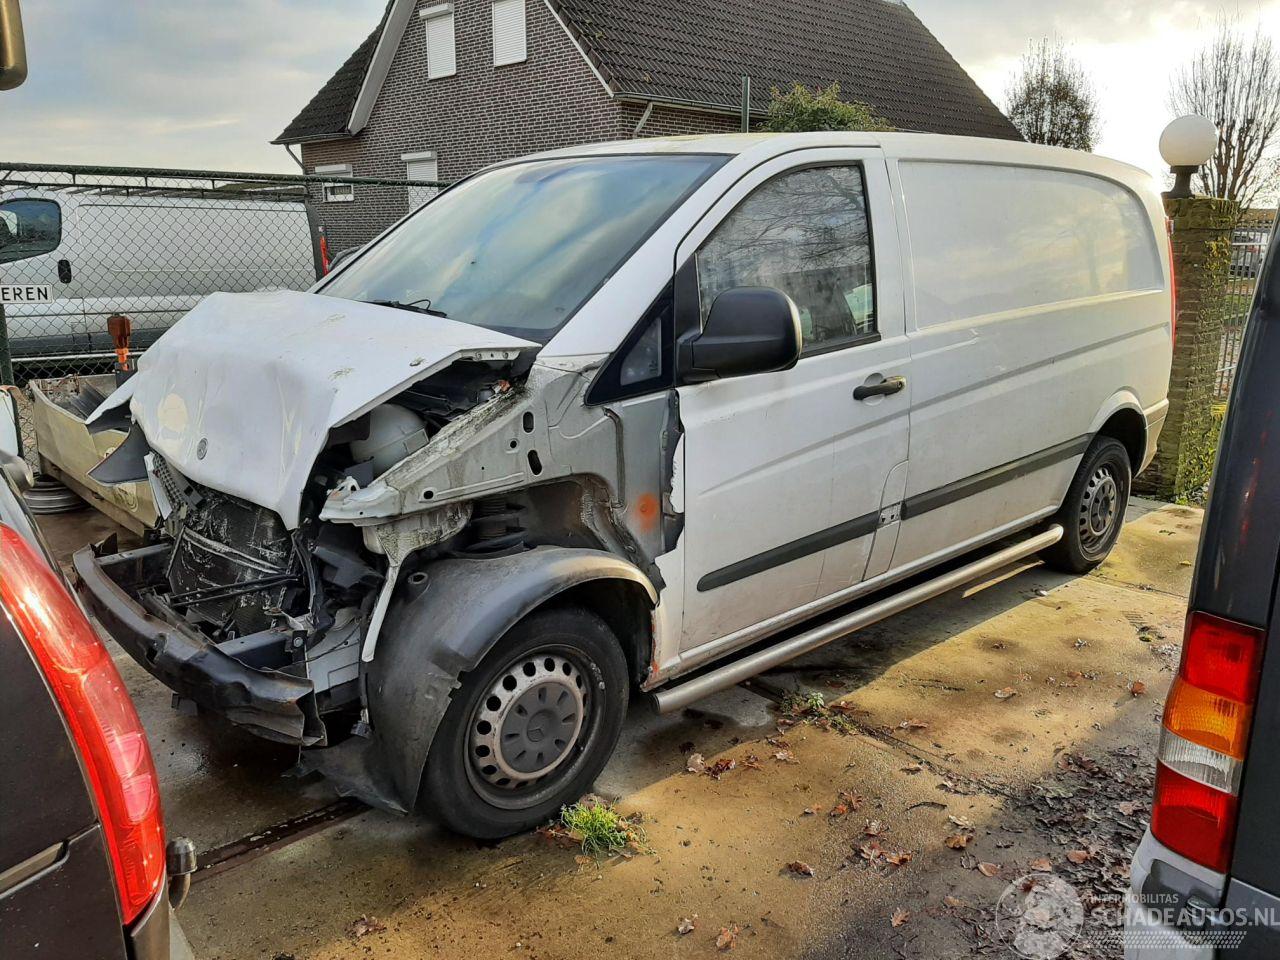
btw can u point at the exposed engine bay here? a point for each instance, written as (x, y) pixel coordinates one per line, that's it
(488, 456)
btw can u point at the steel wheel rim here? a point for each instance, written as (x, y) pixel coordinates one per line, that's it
(530, 725)
(1099, 509)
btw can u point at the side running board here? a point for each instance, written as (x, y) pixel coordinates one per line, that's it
(681, 695)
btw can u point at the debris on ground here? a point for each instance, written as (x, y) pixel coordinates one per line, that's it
(1006, 693)
(687, 925)
(696, 763)
(900, 916)
(366, 925)
(800, 868)
(728, 938)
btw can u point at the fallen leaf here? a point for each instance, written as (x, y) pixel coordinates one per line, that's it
(785, 756)
(964, 823)
(988, 869)
(721, 767)
(812, 811)
(1137, 688)
(850, 799)
(800, 868)
(1006, 693)
(913, 725)
(751, 762)
(696, 764)
(900, 917)
(953, 902)
(1078, 856)
(367, 925)
(1042, 864)
(839, 810)
(874, 828)
(687, 925)
(912, 768)
(958, 841)
(728, 939)
(1128, 808)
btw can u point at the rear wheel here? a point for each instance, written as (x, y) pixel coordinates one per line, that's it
(1093, 512)
(530, 728)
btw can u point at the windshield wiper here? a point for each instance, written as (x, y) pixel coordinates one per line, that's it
(415, 307)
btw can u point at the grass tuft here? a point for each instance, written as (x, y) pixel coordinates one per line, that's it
(601, 829)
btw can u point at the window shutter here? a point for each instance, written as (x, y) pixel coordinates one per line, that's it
(426, 169)
(509, 43)
(441, 56)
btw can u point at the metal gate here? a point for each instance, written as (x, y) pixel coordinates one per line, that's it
(1248, 250)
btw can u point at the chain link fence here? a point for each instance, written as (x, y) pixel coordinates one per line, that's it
(80, 245)
(1248, 250)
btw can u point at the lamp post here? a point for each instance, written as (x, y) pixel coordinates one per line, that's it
(1187, 144)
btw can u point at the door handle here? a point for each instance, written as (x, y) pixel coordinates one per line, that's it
(885, 388)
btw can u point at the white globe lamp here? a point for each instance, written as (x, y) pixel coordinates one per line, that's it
(1187, 144)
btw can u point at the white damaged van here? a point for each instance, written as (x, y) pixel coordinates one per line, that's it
(641, 417)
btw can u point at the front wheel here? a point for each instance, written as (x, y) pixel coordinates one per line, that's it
(531, 728)
(1093, 512)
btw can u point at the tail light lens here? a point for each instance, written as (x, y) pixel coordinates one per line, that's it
(1207, 719)
(325, 262)
(100, 715)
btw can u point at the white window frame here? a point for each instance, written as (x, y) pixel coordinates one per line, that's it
(420, 195)
(336, 192)
(435, 16)
(519, 45)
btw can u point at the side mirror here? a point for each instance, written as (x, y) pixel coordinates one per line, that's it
(749, 330)
(13, 48)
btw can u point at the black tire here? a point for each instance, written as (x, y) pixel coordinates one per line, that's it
(560, 645)
(1092, 515)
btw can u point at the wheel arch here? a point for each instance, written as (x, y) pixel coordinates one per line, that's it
(1128, 425)
(441, 626)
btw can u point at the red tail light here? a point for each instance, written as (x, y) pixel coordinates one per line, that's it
(1194, 820)
(1206, 732)
(324, 253)
(100, 715)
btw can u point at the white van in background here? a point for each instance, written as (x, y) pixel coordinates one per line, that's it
(73, 256)
(654, 415)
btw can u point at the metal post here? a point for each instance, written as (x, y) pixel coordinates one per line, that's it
(6, 362)
(746, 104)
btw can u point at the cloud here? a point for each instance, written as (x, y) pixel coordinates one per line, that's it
(153, 83)
(209, 85)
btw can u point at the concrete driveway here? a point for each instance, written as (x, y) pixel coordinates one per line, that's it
(1001, 730)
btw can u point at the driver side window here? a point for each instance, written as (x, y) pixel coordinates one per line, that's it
(805, 233)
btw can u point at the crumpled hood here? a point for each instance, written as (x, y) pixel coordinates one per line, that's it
(240, 395)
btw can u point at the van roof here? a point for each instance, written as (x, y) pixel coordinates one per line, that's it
(925, 146)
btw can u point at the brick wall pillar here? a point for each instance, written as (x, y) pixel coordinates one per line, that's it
(1201, 266)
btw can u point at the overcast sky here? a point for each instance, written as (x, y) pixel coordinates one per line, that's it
(208, 85)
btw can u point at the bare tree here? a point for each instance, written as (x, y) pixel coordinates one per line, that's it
(1235, 82)
(1051, 99)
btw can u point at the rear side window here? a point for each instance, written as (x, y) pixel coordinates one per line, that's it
(29, 228)
(988, 239)
(806, 234)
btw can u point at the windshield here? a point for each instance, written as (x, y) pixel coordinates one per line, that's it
(519, 249)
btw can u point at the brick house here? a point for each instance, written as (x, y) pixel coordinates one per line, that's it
(442, 89)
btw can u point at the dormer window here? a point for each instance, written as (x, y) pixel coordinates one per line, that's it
(442, 58)
(510, 43)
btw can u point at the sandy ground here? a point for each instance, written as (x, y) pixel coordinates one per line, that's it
(1060, 766)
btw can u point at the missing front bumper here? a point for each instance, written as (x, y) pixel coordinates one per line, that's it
(268, 703)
